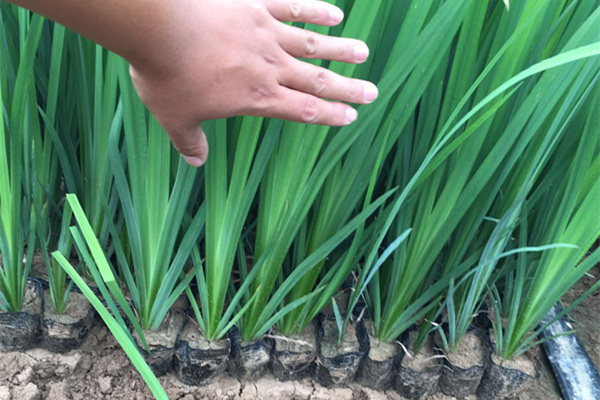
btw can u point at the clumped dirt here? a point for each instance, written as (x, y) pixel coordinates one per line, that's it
(425, 358)
(167, 334)
(32, 303)
(523, 363)
(381, 351)
(329, 342)
(196, 340)
(77, 308)
(470, 351)
(100, 370)
(303, 342)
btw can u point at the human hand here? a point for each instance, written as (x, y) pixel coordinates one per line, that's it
(237, 57)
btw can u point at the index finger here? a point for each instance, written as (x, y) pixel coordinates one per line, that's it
(307, 11)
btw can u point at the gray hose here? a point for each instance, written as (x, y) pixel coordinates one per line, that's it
(575, 372)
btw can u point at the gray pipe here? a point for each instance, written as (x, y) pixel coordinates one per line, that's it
(575, 372)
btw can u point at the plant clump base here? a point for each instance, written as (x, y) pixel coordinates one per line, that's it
(504, 378)
(199, 361)
(21, 330)
(337, 363)
(418, 374)
(464, 367)
(294, 355)
(377, 369)
(161, 343)
(248, 360)
(64, 332)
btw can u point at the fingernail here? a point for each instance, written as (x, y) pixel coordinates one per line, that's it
(336, 15)
(351, 115)
(361, 51)
(371, 92)
(193, 161)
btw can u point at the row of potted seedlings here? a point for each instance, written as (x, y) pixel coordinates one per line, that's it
(316, 353)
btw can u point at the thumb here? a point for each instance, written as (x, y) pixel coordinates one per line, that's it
(192, 145)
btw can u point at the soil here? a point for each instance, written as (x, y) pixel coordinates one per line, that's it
(255, 358)
(248, 360)
(330, 347)
(381, 351)
(32, 303)
(22, 330)
(100, 370)
(198, 360)
(76, 309)
(426, 357)
(197, 341)
(524, 363)
(293, 356)
(303, 342)
(167, 334)
(470, 351)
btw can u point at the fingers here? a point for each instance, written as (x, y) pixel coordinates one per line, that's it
(323, 83)
(188, 138)
(293, 105)
(309, 11)
(192, 145)
(306, 44)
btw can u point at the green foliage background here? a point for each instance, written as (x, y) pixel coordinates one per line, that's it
(474, 176)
